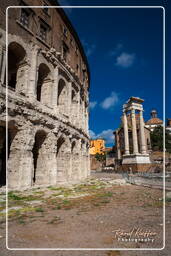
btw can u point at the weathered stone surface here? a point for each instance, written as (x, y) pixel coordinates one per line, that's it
(47, 109)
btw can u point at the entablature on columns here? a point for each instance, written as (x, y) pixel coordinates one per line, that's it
(132, 106)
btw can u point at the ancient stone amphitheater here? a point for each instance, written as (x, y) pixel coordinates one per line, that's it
(46, 91)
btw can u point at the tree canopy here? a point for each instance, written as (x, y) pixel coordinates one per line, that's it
(157, 139)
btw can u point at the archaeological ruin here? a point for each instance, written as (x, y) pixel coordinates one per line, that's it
(132, 139)
(44, 79)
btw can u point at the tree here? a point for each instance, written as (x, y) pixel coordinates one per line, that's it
(157, 139)
(100, 157)
(168, 141)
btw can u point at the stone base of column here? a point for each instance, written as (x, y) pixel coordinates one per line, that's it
(134, 168)
(136, 159)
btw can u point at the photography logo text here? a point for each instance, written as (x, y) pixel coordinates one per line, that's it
(135, 235)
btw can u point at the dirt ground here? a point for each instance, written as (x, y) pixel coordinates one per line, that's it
(90, 215)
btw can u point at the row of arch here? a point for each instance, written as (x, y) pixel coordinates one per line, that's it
(39, 79)
(42, 158)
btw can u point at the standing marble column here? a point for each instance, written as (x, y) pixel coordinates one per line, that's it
(134, 132)
(126, 136)
(142, 134)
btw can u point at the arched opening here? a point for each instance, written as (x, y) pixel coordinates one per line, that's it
(37, 150)
(43, 87)
(62, 96)
(3, 151)
(73, 96)
(73, 146)
(16, 55)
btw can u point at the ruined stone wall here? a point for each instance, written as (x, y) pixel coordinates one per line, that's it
(47, 107)
(60, 32)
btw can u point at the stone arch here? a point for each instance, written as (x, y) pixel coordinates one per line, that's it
(62, 99)
(73, 95)
(6, 153)
(63, 158)
(17, 66)
(37, 152)
(44, 84)
(64, 74)
(3, 151)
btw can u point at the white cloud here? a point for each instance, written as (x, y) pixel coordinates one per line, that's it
(105, 134)
(92, 104)
(110, 101)
(89, 48)
(92, 134)
(125, 60)
(116, 50)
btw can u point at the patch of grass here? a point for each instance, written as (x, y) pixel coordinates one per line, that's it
(39, 209)
(66, 202)
(13, 196)
(39, 193)
(55, 188)
(57, 207)
(105, 194)
(168, 199)
(21, 220)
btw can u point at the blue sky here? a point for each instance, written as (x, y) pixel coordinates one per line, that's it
(124, 51)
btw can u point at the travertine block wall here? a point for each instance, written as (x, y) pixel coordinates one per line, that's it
(48, 129)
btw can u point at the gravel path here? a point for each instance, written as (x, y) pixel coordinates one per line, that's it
(105, 204)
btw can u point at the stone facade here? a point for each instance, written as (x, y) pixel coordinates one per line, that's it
(47, 98)
(97, 146)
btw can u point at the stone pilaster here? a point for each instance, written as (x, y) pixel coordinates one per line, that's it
(55, 88)
(78, 111)
(69, 99)
(32, 85)
(134, 132)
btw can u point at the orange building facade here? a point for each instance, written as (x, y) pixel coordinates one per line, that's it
(97, 146)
